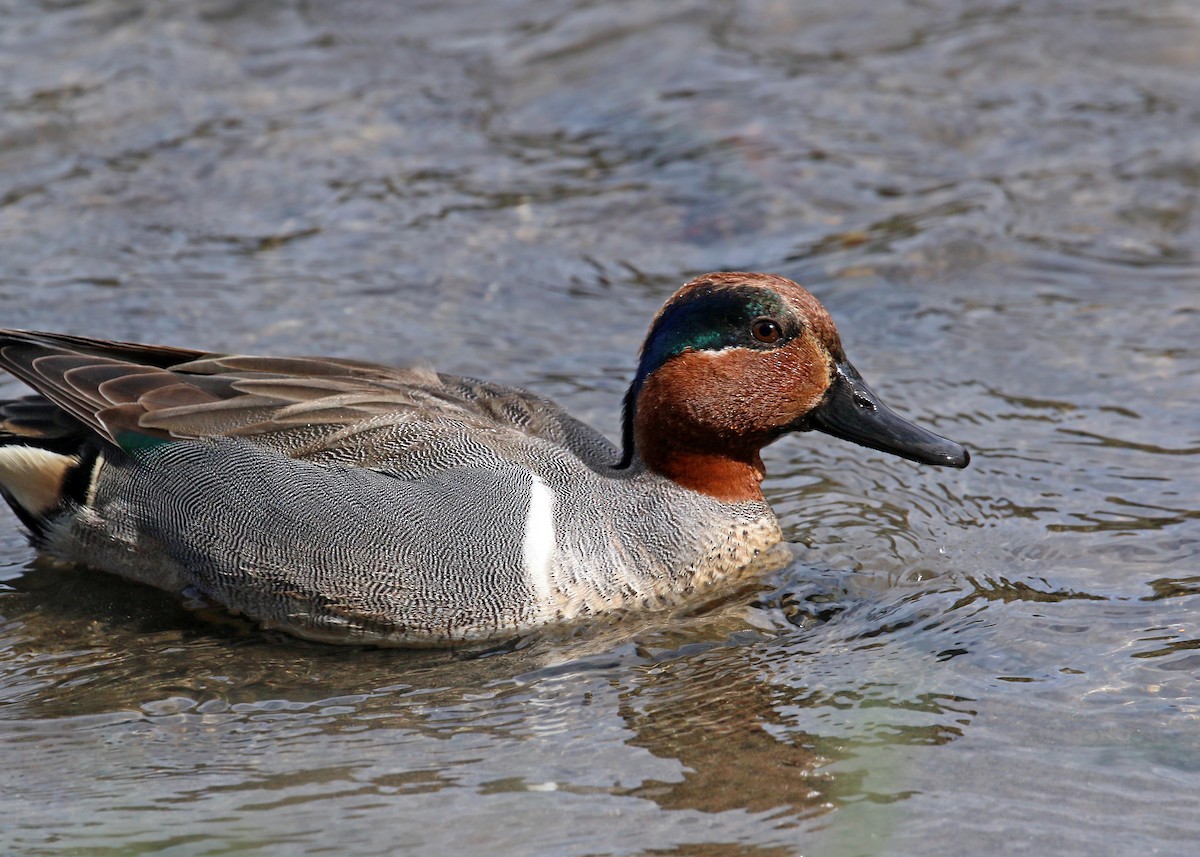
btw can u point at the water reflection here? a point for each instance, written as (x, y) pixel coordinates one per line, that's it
(722, 724)
(739, 718)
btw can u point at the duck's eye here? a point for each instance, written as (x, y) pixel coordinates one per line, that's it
(766, 330)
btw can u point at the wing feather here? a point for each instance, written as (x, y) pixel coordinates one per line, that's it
(304, 406)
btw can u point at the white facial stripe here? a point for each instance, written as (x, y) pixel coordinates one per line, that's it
(539, 542)
(717, 354)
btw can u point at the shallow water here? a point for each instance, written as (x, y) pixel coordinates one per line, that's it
(999, 203)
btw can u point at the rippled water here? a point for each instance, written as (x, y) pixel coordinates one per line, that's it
(998, 201)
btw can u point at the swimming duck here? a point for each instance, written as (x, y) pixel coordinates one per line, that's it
(350, 502)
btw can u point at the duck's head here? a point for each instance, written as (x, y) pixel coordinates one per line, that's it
(734, 361)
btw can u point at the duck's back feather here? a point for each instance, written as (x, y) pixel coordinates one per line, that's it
(307, 407)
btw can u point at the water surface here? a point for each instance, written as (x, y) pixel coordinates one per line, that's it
(998, 201)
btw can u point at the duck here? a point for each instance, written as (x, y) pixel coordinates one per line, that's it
(349, 502)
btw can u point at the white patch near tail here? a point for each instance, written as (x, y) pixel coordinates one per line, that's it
(34, 477)
(538, 546)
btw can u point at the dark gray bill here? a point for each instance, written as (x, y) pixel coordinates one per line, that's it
(851, 411)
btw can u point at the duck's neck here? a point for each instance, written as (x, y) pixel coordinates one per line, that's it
(719, 476)
(721, 467)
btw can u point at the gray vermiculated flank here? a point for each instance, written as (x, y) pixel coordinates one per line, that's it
(327, 550)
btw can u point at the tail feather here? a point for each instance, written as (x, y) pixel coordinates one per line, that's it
(36, 421)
